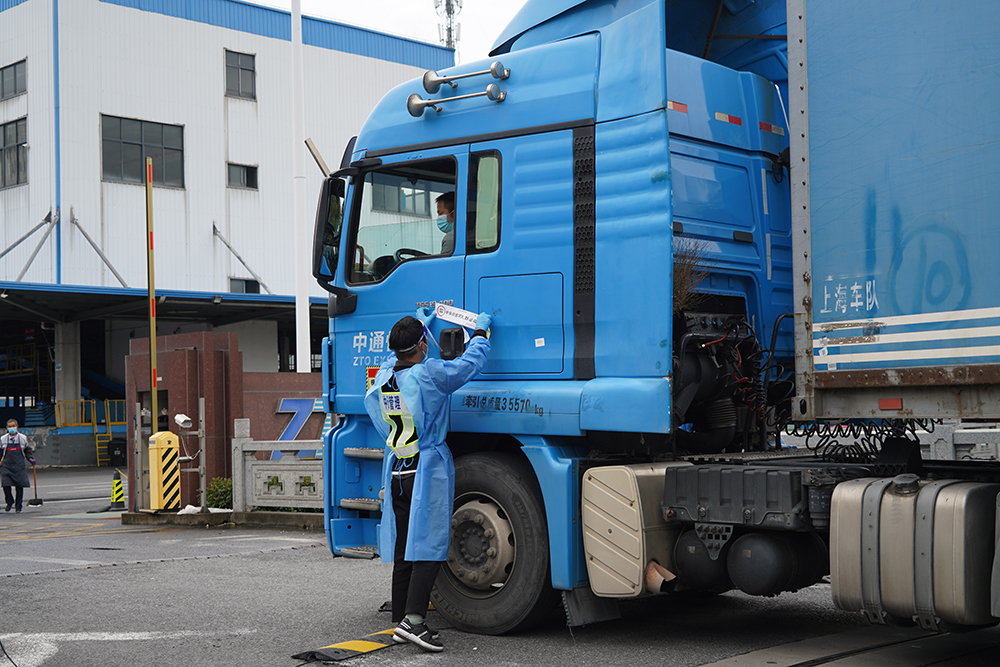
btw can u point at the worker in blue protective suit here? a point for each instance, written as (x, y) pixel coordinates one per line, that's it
(409, 406)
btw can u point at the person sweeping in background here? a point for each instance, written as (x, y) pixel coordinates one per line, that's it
(15, 454)
(408, 405)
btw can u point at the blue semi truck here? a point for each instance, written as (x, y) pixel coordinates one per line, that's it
(699, 227)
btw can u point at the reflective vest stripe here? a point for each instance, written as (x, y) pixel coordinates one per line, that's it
(402, 438)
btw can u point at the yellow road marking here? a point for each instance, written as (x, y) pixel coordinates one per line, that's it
(358, 645)
(20, 531)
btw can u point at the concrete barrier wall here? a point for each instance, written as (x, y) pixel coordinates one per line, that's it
(286, 482)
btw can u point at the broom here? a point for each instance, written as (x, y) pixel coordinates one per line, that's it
(36, 500)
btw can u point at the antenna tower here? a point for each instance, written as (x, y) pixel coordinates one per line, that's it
(449, 32)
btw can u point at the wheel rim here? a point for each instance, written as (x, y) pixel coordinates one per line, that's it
(482, 552)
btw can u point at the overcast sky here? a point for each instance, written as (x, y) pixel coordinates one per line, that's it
(481, 20)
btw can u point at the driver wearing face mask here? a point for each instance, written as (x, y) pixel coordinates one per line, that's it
(446, 221)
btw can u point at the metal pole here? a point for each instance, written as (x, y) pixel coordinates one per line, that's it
(45, 236)
(303, 347)
(711, 30)
(136, 472)
(97, 249)
(154, 424)
(45, 221)
(202, 463)
(225, 242)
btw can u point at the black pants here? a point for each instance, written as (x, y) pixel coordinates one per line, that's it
(411, 581)
(10, 498)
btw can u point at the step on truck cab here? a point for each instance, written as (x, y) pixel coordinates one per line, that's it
(626, 179)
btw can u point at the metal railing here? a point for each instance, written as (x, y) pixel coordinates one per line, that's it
(114, 411)
(78, 412)
(90, 412)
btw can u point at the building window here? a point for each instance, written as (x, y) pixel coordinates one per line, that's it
(14, 153)
(244, 286)
(397, 194)
(13, 80)
(241, 75)
(126, 143)
(242, 176)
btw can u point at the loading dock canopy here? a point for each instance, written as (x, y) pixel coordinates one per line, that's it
(75, 303)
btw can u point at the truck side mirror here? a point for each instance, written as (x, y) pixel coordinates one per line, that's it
(326, 234)
(452, 343)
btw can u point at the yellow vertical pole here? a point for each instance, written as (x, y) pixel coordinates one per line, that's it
(152, 296)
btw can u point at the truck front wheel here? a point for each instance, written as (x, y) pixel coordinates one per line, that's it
(497, 578)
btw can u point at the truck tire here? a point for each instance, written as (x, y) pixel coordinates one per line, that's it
(497, 577)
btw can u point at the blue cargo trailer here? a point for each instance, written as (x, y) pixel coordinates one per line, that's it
(895, 209)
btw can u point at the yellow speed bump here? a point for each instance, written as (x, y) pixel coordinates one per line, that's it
(349, 649)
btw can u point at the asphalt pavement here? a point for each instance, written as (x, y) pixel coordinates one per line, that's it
(80, 589)
(72, 490)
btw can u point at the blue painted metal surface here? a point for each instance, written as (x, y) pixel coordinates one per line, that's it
(329, 371)
(170, 294)
(276, 23)
(231, 14)
(346, 477)
(352, 39)
(364, 335)
(634, 249)
(10, 4)
(556, 85)
(116, 429)
(690, 22)
(533, 13)
(628, 86)
(527, 283)
(687, 24)
(903, 195)
(557, 468)
(56, 138)
(538, 407)
(640, 405)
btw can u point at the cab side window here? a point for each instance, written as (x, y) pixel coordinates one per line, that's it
(401, 217)
(484, 202)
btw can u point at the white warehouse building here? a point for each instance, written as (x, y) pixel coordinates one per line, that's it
(88, 90)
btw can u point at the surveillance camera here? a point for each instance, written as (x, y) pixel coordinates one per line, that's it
(183, 420)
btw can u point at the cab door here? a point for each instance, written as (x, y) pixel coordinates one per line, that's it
(397, 257)
(520, 253)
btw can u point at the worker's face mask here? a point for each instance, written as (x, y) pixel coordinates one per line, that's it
(12, 430)
(444, 224)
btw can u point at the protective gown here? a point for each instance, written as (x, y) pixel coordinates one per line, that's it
(426, 388)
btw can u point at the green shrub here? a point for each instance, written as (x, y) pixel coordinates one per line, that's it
(220, 493)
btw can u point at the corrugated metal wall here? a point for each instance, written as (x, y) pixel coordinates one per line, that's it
(26, 33)
(150, 65)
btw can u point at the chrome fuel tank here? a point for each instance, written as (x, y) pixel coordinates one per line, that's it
(914, 549)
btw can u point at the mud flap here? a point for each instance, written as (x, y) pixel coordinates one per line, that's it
(583, 607)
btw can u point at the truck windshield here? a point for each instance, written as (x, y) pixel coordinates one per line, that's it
(406, 211)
